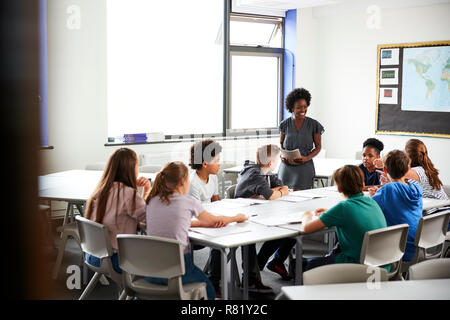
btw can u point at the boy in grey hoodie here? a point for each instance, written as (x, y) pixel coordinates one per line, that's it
(258, 181)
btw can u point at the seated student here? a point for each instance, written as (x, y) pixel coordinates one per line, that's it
(400, 200)
(205, 160)
(255, 181)
(115, 202)
(423, 171)
(169, 213)
(352, 219)
(371, 151)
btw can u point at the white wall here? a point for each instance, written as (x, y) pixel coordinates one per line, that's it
(337, 60)
(77, 96)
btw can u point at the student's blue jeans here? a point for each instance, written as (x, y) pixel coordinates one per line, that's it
(94, 261)
(192, 274)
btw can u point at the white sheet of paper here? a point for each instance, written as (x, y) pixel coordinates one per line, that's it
(304, 194)
(231, 228)
(331, 188)
(290, 198)
(225, 204)
(279, 219)
(246, 201)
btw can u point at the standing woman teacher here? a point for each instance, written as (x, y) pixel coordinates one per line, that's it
(303, 133)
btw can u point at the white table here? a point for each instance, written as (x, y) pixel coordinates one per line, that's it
(72, 186)
(324, 167)
(436, 289)
(262, 233)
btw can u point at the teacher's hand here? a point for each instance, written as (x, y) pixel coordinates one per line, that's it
(284, 160)
(301, 160)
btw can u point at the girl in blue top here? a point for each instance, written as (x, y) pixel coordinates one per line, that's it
(400, 200)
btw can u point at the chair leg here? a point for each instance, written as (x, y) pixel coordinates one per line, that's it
(103, 280)
(123, 295)
(66, 217)
(61, 249)
(206, 267)
(90, 286)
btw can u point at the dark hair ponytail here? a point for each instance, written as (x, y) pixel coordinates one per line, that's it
(167, 180)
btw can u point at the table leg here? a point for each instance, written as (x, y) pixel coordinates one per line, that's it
(223, 185)
(245, 276)
(299, 261)
(224, 268)
(80, 209)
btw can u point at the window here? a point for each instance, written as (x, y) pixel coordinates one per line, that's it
(248, 30)
(256, 72)
(164, 67)
(255, 87)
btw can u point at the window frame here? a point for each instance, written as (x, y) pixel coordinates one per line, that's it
(256, 52)
(250, 50)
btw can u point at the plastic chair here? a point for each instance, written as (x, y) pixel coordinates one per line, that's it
(342, 273)
(95, 241)
(385, 246)
(68, 230)
(447, 189)
(146, 256)
(431, 232)
(430, 269)
(230, 191)
(149, 169)
(96, 166)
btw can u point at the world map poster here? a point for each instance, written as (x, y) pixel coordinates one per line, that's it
(426, 79)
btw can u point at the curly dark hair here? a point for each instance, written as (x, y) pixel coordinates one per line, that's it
(374, 143)
(295, 95)
(198, 155)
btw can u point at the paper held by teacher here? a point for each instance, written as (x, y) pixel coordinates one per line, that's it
(290, 155)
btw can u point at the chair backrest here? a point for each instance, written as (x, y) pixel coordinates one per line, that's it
(358, 155)
(432, 230)
(149, 169)
(342, 273)
(384, 246)
(94, 238)
(150, 256)
(430, 269)
(230, 191)
(96, 166)
(447, 189)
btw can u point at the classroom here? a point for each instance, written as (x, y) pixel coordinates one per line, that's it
(214, 150)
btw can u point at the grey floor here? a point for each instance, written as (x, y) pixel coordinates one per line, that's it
(72, 256)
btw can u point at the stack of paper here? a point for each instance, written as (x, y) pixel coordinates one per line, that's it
(232, 228)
